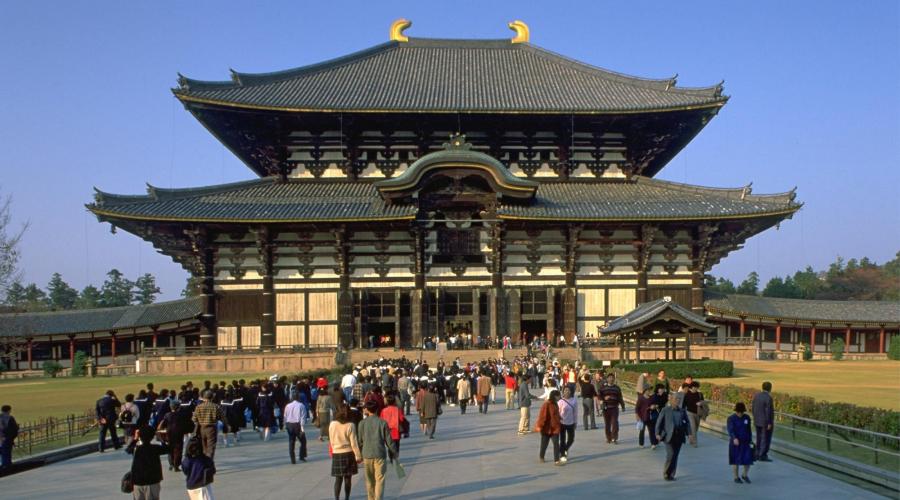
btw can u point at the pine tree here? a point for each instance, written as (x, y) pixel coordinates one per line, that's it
(145, 289)
(35, 298)
(15, 295)
(117, 290)
(60, 294)
(89, 298)
(191, 287)
(749, 286)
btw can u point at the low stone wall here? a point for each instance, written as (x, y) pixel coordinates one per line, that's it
(723, 352)
(236, 363)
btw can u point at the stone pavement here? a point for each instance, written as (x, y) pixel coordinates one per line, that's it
(472, 456)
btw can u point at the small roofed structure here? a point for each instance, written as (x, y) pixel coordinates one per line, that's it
(652, 321)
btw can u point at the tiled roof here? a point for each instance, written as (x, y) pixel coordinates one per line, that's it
(649, 312)
(837, 311)
(99, 320)
(434, 75)
(299, 200)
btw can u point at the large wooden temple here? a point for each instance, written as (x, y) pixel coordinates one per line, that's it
(425, 187)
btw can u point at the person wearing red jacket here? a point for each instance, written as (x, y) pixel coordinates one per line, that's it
(397, 423)
(511, 387)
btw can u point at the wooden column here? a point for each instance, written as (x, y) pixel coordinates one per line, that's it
(687, 345)
(637, 347)
(155, 336)
(778, 336)
(674, 348)
(267, 337)
(667, 348)
(570, 294)
(641, 287)
(476, 312)
(346, 323)
(697, 292)
(881, 341)
(621, 347)
(418, 299)
(497, 292)
(209, 330)
(30, 344)
(847, 334)
(397, 318)
(551, 309)
(112, 349)
(812, 338)
(71, 351)
(743, 327)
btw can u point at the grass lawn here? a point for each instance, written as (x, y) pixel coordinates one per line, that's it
(32, 399)
(864, 383)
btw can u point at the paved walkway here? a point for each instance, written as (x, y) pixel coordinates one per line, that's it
(472, 456)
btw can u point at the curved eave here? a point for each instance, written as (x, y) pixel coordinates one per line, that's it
(521, 188)
(756, 215)
(187, 99)
(110, 215)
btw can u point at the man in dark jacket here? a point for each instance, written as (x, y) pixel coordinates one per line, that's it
(9, 430)
(611, 399)
(107, 409)
(523, 394)
(764, 418)
(146, 469)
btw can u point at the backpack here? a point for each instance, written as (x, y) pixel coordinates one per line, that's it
(126, 417)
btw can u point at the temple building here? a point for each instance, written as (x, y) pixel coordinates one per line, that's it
(428, 187)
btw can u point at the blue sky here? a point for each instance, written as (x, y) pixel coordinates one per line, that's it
(85, 101)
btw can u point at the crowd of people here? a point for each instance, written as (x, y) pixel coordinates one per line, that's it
(364, 415)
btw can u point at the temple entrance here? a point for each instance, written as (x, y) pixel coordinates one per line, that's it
(534, 328)
(380, 335)
(873, 339)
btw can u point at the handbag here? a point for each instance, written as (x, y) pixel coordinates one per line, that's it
(127, 483)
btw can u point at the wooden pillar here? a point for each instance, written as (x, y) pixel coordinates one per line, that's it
(551, 309)
(418, 299)
(497, 292)
(155, 343)
(674, 348)
(812, 338)
(112, 349)
(881, 341)
(346, 323)
(641, 287)
(71, 351)
(667, 348)
(743, 327)
(687, 345)
(30, 345)
(778, 336)
(847, 335)
(697, 292)
(621, 347)
(266, 250)
(637, 347)
(209, 330)
(397, 318)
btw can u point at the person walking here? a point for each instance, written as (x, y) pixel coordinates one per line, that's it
(568, 418)
(763, 409)
(265, 403)
(146, 468)
(740, 436)
(206, 417)
(642, 414)
(588, 397)
(107, 413)
(523, 394)
(463, 393)
(672, 427)
(690, 402)
(377, 445)
(324, 410)
(295, 421)
(658, 401)
(611, 397)
(510, 381)
(9, 430)
(128, 417)
(171, 432)
(199, 471)
(483, 391)
(429, 410)
(548, 426)
(403, 387)
(345, 453)
(397, 423)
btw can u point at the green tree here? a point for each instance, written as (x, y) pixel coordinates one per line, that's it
(191, 287)
(35, 298)
(15, 295)
(837, 349)
(810, 283)
(784, 288)
(749, 286)
(117, 290)
(60, 294)
(89, 298)
(146, 289)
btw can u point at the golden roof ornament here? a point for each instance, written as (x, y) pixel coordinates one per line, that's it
(397, 28)
(522, 32)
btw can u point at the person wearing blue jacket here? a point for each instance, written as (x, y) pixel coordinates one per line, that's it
(740, 435)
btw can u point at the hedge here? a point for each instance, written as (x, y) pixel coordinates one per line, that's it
(894, 349)
(707, 368)
(860, 417)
